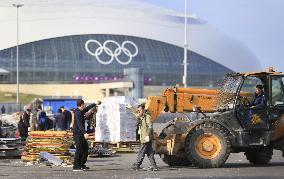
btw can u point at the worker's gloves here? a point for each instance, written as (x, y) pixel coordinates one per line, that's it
(29, 129)
(147, 139)
(252, 107)
(86, 136)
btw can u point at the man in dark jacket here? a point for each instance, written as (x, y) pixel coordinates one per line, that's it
(59, 121)
(80, 136)
(24, 124)
(41, 119)
(259, 101)
(3, 109)
(67, 117)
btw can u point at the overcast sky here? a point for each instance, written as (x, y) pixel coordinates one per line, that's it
(256, 23)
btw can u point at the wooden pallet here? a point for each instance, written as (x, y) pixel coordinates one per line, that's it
(54, 142)
(35, 157)
(50, 135)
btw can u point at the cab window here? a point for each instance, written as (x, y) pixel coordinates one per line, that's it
(248, 87)
(277, 97)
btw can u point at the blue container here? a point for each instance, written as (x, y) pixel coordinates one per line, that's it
(55, 103)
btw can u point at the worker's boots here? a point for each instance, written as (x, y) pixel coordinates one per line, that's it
(136, 166)
(153, 166)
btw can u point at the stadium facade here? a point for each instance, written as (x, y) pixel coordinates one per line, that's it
(94, 41)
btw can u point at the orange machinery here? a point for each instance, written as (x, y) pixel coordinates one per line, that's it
(182, 100)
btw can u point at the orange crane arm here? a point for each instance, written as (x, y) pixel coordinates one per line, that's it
(181, 100)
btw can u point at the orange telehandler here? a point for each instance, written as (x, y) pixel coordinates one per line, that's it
(228, 124)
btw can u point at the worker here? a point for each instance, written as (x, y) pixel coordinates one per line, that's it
(67, 117)
(59, 124)
(259, 101)
(90, 118)
(3, 109)
(24, 124)
(80, 136)
(146, 136)
(41, 119)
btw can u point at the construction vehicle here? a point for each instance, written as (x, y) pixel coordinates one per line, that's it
(226, 124)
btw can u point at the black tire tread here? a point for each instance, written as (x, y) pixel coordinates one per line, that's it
(203, 163)
(175, 161)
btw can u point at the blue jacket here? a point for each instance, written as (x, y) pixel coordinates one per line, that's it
(259, 101)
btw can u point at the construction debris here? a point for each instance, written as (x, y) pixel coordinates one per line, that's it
(10, 119)
(51, 143)
(100, 151)
(45, 156)
(10, 147)
(9, 124)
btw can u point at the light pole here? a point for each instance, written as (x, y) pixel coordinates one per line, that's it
(184, 80)
(18, 89)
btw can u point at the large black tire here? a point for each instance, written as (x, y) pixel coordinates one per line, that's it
(208, 145)
(259, 157)
(175, 161)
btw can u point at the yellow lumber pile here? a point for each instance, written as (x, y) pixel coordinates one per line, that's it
(53, 142)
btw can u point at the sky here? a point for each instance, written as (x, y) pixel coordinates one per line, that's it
(258, 24)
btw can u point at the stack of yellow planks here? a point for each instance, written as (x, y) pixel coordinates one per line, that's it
(53, 142)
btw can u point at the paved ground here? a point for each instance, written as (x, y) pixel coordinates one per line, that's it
(118, 167)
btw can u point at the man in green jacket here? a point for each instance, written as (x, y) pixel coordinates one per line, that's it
(146, 136)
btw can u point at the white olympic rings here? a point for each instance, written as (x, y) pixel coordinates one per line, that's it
(113, 55)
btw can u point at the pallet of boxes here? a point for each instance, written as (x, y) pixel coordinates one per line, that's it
(50, 146)
(115, 125)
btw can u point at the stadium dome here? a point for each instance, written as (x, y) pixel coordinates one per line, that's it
(94, 40)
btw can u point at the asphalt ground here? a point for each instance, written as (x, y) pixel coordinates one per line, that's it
(119, 167)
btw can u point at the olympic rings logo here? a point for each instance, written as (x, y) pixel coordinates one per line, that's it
(112, 54)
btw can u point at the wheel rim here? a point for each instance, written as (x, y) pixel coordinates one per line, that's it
(208, 146)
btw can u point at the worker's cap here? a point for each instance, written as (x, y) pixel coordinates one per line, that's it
(259, 86)
(61, 107)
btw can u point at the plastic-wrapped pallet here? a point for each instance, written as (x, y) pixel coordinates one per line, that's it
(113, 122)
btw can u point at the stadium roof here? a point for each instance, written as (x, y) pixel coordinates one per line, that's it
(44, 19)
